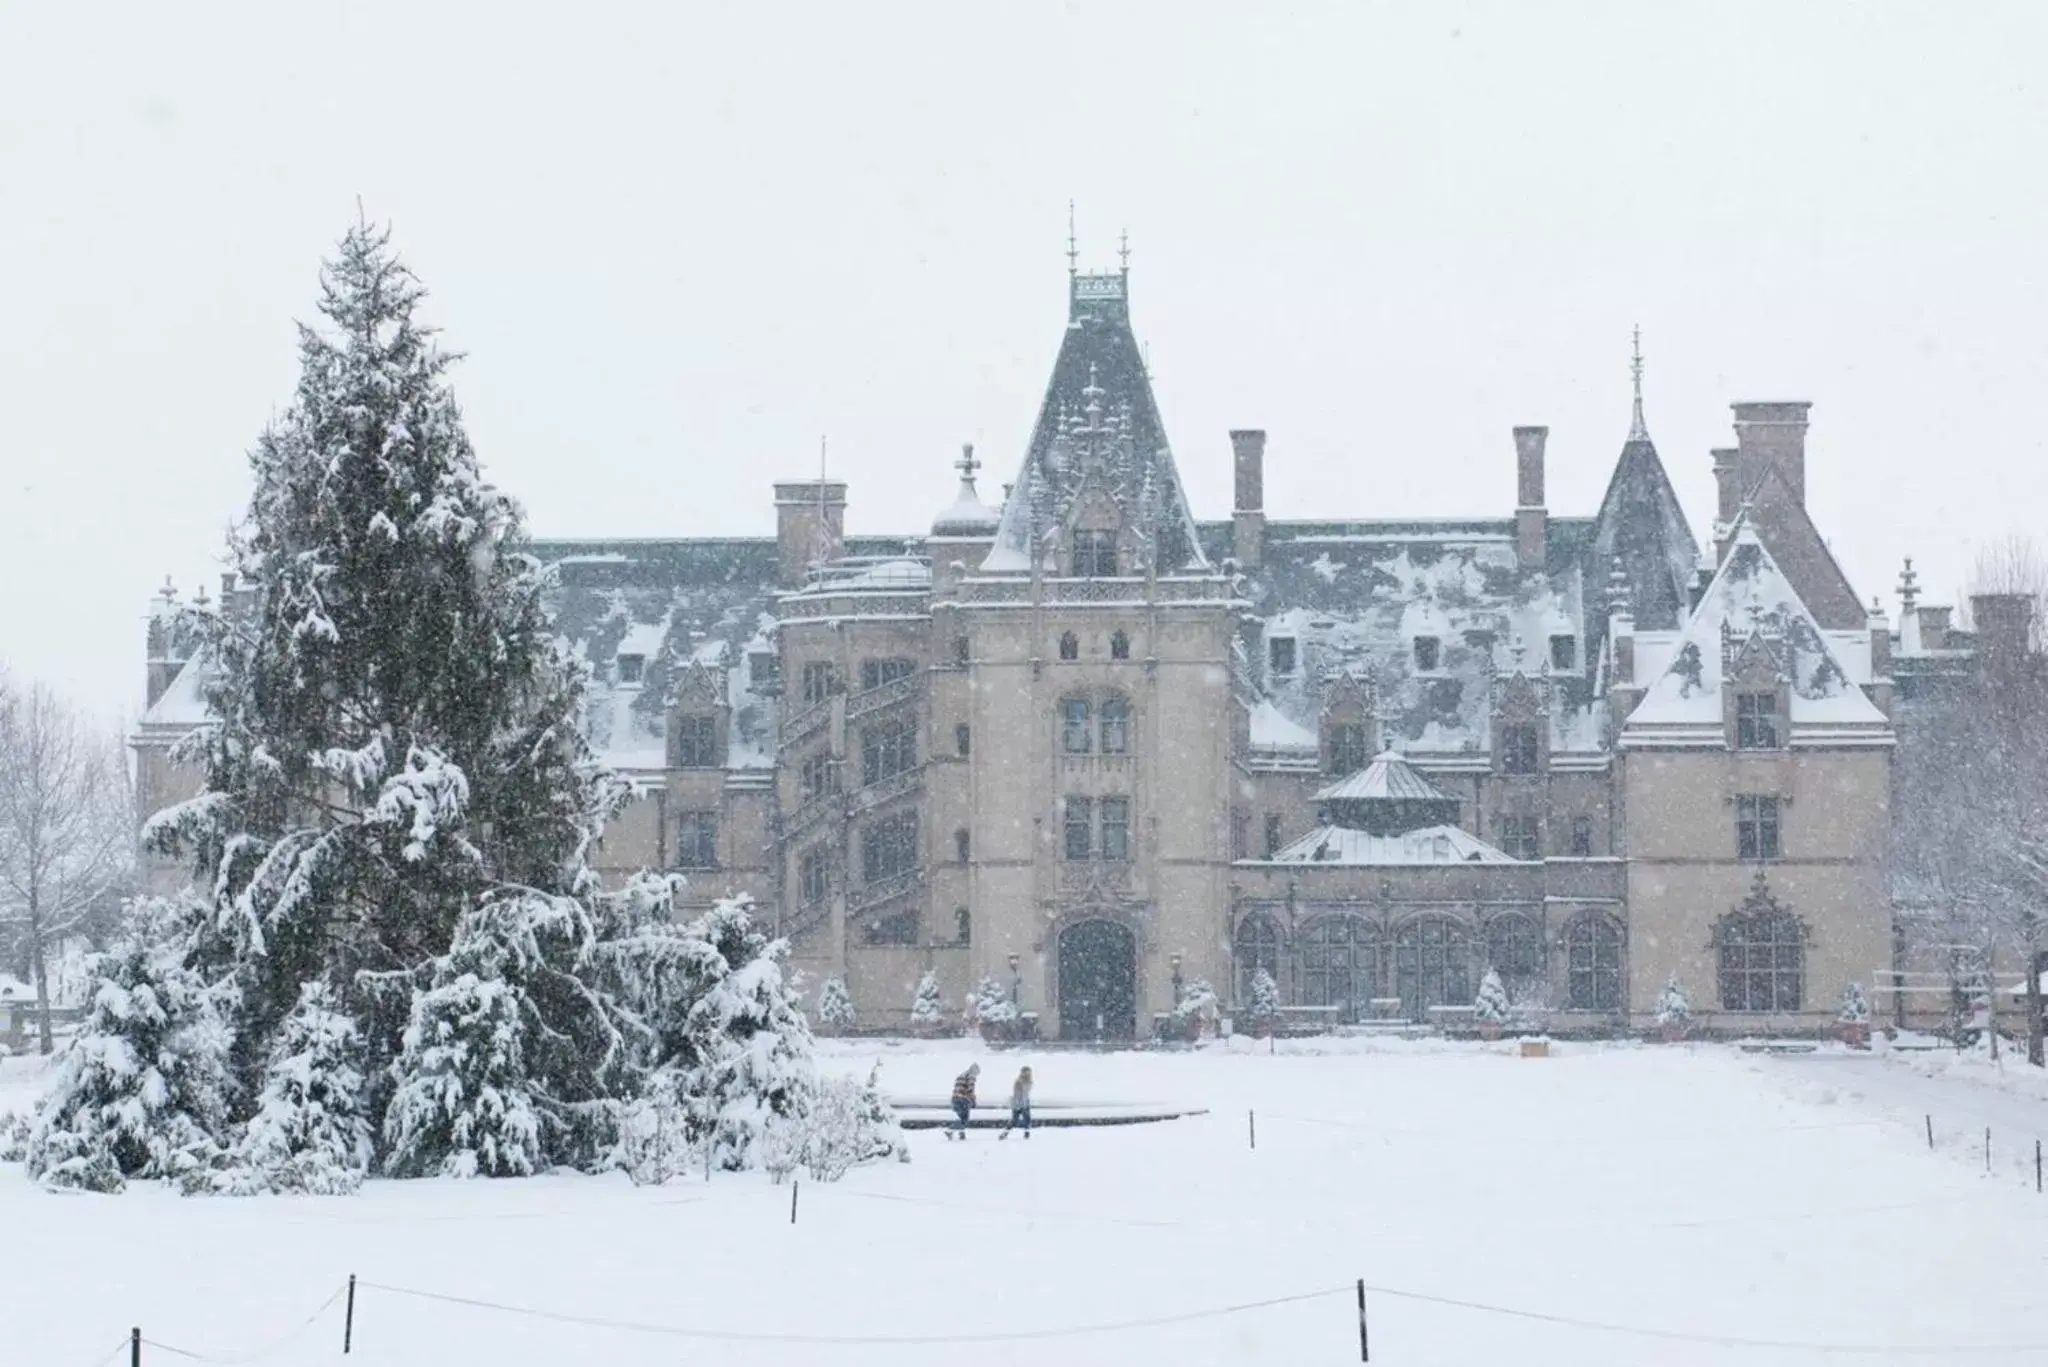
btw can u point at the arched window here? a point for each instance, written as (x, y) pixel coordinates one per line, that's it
(1076, 726)
(1070, 646)
(1432, 965)
(1514, 949)
(1116, 726)
(1762, 961)
(1592, 954)
(1119, 645)
(1340, 963)
(1258, 946)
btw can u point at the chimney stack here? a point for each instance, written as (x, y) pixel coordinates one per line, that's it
(1531, 519)
(2005, 629)
(1768, 434)
(810, 526)
(1248, 447)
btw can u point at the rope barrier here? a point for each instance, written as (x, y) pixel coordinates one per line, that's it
(252, 1354)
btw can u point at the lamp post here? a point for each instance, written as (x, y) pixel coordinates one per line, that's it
(1016, 984)
(1175, 960)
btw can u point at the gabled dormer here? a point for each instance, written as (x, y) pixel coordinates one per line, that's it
(1349, 728)
(1521, 725)
(699, 717)
(1756, 701)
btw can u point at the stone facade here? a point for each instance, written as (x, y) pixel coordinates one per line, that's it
(1094, 749)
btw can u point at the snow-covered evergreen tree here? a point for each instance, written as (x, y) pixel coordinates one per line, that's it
(989, 1004)
(1855, 1009)
(144, 1089)
(1198, 1001)
(849, 1124)
(835, 1006)
(746, 1046)
(1674, 1008)
(654, 1132)
(1490, 1005)
(1262, 1008)
(396, 730)
(310, 1132)
(927, 1008)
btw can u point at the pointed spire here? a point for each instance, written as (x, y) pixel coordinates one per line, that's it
(1638, 430)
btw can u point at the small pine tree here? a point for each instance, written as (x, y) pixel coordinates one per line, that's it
(835, 1006)
(143, 1091)
(1674, 1008)
(1491, 1005)
(1198, 1001)
(1855, 1008)
(749, 1048)
(989, 1004)
(310, 1132)
(926, 1006)
(1262, 1007)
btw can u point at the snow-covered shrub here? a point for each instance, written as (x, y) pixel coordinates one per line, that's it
(989, 1004)
(654, 1132)
(143, 1090)
(1198, 1003)
(310, 1132)
(1855, 1009)
(927, 1009)
(748, 1047)
(849, 1124)
(14, 1136)
(1490, 1006)
(1262, 1007)
(835, 1006)
(1674, 1008)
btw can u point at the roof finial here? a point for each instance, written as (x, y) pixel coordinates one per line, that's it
(1123, 250)
(1638, 430)
(1909, 586)
(1073, 244)
(967, 464)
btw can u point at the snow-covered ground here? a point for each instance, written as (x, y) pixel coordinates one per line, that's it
(1686, 1190)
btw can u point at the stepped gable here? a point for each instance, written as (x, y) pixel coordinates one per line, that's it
(1356, 596)
(1752, 622)
(1099, 428)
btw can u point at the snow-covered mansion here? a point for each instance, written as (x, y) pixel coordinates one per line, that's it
(1080, 741)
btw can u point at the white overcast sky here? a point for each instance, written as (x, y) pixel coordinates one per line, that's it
(680, 242)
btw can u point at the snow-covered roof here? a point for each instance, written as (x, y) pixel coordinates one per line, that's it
(1751, 609)
(1388, 777)
(1272, 729)
(1430, 845)
(966, 515)
(183, 703)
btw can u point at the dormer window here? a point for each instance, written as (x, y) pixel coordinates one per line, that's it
(1756, 720)
(697, 742)
(1427, 652)
(631, 667)
(764, 668)
(1344, 752)
(1094, 555)
(1564, 652)
(1520, 751)
(1280, 656)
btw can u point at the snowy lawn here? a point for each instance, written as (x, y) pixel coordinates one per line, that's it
(1693, 1189)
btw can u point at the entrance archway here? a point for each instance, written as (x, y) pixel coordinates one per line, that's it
(1098, 981)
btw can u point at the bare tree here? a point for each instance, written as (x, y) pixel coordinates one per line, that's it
(67, 833)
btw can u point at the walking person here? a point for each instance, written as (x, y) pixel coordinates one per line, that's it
(1020, 1104)
(963, 1101)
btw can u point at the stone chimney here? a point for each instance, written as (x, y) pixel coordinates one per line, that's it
(1933, 625)
(1248, 514)
(2005, 630)
(1531, 519)
(162, 657)
(810, 526)
(1768, 434)
(1879, 689)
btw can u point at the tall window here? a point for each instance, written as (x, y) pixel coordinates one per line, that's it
(1521, 835)
(1427, 650)
(1520, 752)
(1070, 646)
(1762, 962)
(1345, 753)
(875, 673)
(764, 669)
(1582, 837)
(1258, 946)
(887, 748)
(962, 737)
(962, 845)
(814, 877)
(1272, 834)
(1116, 829)
(1116, 727)
(1280, 656)
(1432, 965)
(1340, 963)
(1076, 730)
(1514, 949)
(821, 680)
(1756, 721)
(1756, 826)
(1592, 949)
(816, 776)
(961, 650)
(1080, 828)
(1119, 645)
(631, 668)
(888, 846)
(1564, 652)
(1094, 555)
(963, 925)
(1240, 833)
(697, 742)
(697, 840)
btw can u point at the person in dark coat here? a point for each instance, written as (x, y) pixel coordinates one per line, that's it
(963, 1100)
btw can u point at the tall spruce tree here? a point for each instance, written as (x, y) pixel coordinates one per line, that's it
(397, 745)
